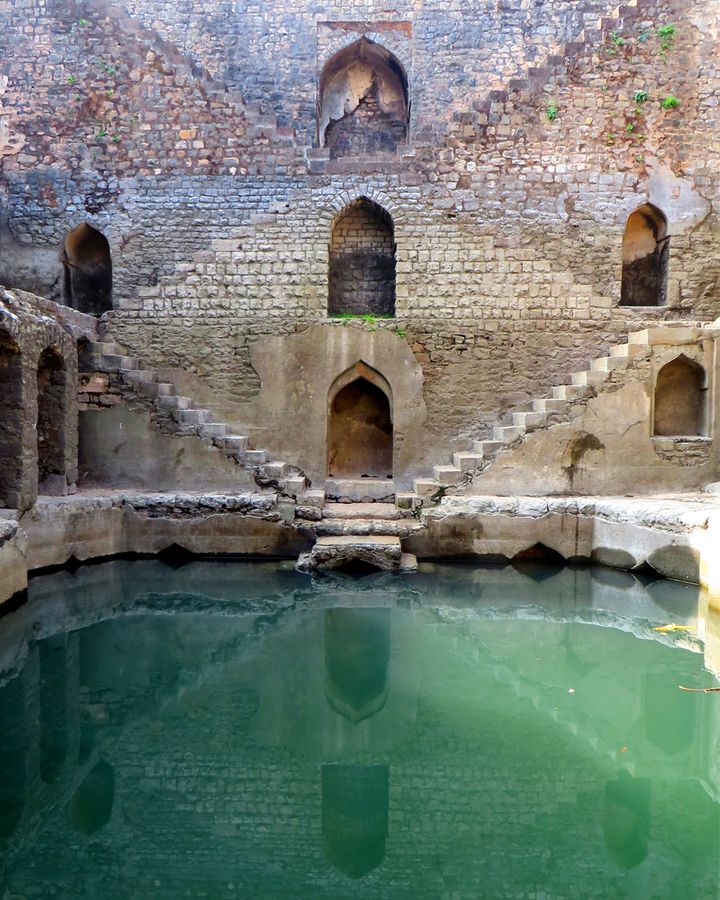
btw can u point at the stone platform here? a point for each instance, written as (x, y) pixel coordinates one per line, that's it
(380, 551)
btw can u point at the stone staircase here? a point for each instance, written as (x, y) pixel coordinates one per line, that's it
(486, 113)
(184, 417)
(564, 403)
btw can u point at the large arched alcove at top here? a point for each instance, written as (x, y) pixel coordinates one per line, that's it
(645, 252)
(363, 101)
(681, 399)
(88, 271)
(360, 429)
(11, 422)
(361, 275)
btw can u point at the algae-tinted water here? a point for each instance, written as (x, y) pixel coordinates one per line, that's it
(229, 730)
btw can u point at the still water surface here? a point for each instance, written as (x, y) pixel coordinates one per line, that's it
(229, 730)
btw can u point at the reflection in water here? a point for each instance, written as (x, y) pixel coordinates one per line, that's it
(220, 733)
(54, 713)
(357, 655)
(13, 750)
(355, 816)
(669, 713)
(627, 819)
(91, 805)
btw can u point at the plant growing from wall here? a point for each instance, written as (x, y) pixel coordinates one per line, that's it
(666, 35)
(552, 111)
(670, 102)
(640, 96)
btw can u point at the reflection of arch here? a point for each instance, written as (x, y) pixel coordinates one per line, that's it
(91, 805)
(88, 271)
(54, 712)
(361, 274)
(13, 754)
(363, 101)
(51, 388)
(10, 422)
(646, 247)
(357, 655)
(355, 802)
(627, 819)
(360, 431)
(681, 399)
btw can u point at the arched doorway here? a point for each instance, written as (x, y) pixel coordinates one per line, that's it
(51, 388)
(88, 271)
(360, 431)
(363, 105)
(11, 422)
(646, 248)
(361, 276)
(681, 399)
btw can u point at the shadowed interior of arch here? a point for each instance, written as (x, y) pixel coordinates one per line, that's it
(646, 249)
(88, 271)
(11, 419)
(681, 399)
(360, 432)
(364, 104)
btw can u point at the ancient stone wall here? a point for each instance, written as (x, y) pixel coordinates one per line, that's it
(38, 403)
(195, 153)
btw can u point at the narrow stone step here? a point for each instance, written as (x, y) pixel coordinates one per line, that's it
(332, 552)
(447, 475)
(527, 420)
(294, 485)
(487, 447)
(252, 457)
(467, 462)
(507, 433)
(313, 498)
(361, 511)
(407, 500)
(591, 377)
(274, 469)
(111, 362)
(360, 490)
(571, 391)
(639, 337)
(194, 416)
(425, 487)
(235, 442)
(550, 404)
(609, 363)
(106, 348)
(630, 350)
(408, 563)
(147, 376)
(170, 401)
(213, 429)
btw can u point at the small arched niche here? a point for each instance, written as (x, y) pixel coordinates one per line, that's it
(645, 252)
(681, 399)
(51, 388)
(88, 271)
(361, 276)
(363, 101)
(11, 422)
(360, 430)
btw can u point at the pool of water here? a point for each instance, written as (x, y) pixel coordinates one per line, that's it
(226, 730)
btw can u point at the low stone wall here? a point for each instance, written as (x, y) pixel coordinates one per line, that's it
(675, 535)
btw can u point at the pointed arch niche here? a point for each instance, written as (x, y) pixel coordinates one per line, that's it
(681, 399)
(361, 273)
(363, 101)
(360, 425)
(645, 253)
(88, 271)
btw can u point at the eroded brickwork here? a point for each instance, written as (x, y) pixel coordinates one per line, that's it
(533, 135)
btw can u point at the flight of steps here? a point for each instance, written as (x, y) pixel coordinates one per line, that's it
(555, 63)
(188, 418)
(564, 401)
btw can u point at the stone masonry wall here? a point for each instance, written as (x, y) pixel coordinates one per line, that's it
(193, 151)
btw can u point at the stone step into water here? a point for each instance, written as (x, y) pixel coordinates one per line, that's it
(377, 551)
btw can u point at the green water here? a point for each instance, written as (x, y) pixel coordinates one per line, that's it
(228, 730)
